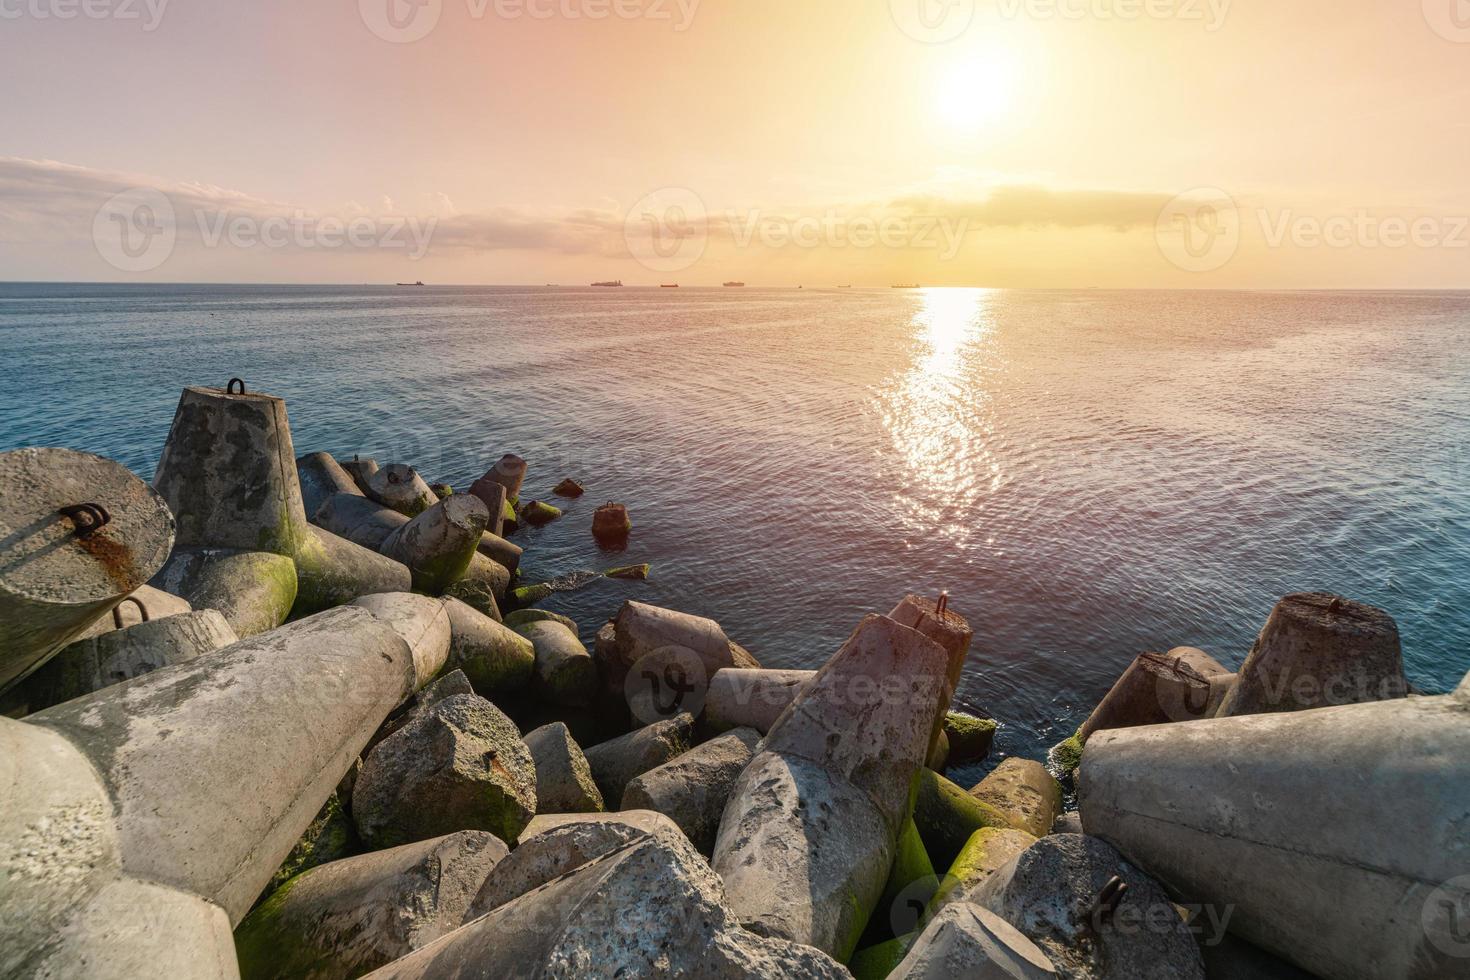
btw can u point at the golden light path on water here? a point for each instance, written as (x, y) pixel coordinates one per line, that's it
(939, 413)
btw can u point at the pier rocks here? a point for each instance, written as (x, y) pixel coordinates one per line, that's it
(1337, 836)
(509, 472)
(360, 520)
(693, 788)
(422, 622)
(399, 487)
(565, 672)
(253, 590)
(749, 698)
(492, 494)
(438, 544)
(332, 571)
(496, 659)
(641, 630)
(198, 778)
(564, 781)
(975, 943)
(611, 524)
(808, 837)
(359, 470)
(78, 533)
(1318, 650)
(320, 476)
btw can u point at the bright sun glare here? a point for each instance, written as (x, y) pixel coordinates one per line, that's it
(973, 93)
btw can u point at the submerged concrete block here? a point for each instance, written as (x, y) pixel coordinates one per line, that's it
(618, 762)
(611, 524)
(497, 660)
(438, 544)
(1319, 650)
(341, 920)
(565, 672)
(743, 698)
(972, 942)
(970, 738)
(1061, 893)
(228, 472)
(321, 476)
(579, 925)
(210, 775)
(63, 569)
(120, 655)
(461, 765)
(483, 575)
(693, 788)
(253, 590)
(1336, 836)
(564, 782)
(399, 487)
(423, 623)
(1027, 795)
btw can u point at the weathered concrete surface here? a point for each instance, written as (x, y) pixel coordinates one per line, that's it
(478, 595)
(505, 553)
(343, 919)
(320, 476)
(509, 472)
(1068, 823)
(228, 473)
(565, 672)
(53, 583)
(399, 487)
(1050, 893)
(645, 820)
(438, 544)
(523, 617)
(561, 849)
(422, 622)
(253, 590)
(1338, 836)
(564, 782)
(446, 686)
(945, 627)
(947, 816)
(332, 571)
(360, 469)
(970, 738)
(641, 629)
(618, 762)
(910, 887)
(870, 713)
(210, 774)
(360, 520)
(489, 575)
(492, 494)
(1318, 650)
(329, 837)
(972, 942)
(804, 853)
(120, 655)
(1155, 689)
(1022, 790)
(496, 659)
(986, 851)
(611, 524)
(461, 765)
(938, 753)
(743, 698)
(692, 789)
(649, 909)
(1220, 687)
(143, 603)
(538, 513)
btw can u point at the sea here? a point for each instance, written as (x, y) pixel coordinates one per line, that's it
(1089, 474)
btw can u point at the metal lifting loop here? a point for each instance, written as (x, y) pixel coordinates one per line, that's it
(942, 606)
(230, 388)
(117, 611)
(88, 518)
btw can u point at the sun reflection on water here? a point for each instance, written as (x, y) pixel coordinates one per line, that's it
(939, 413)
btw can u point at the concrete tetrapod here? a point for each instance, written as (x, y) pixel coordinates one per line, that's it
(197, 779)
(120, 655)
(509, 472)
(493, 496)
(949, 629)
(142, 604)
(253, 590)
(692, 789)
(617, 762)
(971, 942)
(332, 571)
(359, 470)
(63, 568)
(438, 544)
(422, 622)
(496, 659)
(321, 476)
(399, 486)
(1318, 650)
(358, 519)
(1273, 816)
(564, 781)
(808, 837)
(565, 672)
(642, 629)
(650, 908)
(742, 698)
(340, 920)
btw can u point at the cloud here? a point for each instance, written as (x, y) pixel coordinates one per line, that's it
(1039, 207)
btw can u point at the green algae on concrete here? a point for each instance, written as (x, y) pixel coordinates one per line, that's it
(536, 513)
(1067, 754)
(331, 837)
(525, 617)
(634, 573)
(911, 882)
(877, 962)
(970, 738)
(946, 816)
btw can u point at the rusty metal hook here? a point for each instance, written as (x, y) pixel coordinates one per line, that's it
(230, 388)
(1109, 899)
(88, 518)
(117, 610)
(942, 606)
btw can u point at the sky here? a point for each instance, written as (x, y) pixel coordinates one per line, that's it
(1014, 143)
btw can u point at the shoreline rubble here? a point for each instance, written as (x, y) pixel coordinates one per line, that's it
(313, 726)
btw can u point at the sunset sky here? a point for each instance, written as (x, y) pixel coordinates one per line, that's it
(780, 141)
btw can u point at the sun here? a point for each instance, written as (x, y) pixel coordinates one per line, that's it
(974, 93)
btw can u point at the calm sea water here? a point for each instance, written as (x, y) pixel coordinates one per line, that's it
(1090, 474)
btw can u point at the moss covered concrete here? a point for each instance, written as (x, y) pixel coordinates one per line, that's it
(947, 816)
